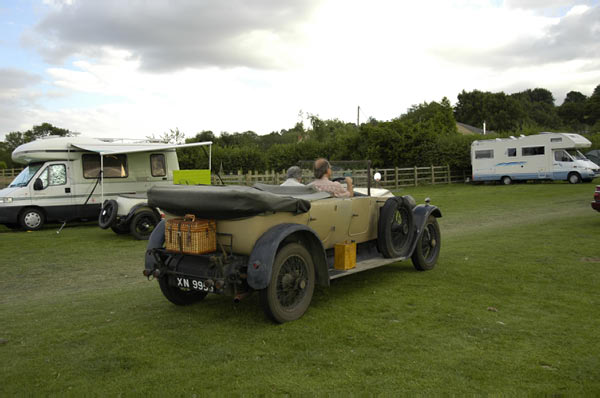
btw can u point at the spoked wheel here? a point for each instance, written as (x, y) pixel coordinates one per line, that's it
(143, 224)
(395, 228)
(179, 296)
(292, 284)
(428, 248)
(108, 213)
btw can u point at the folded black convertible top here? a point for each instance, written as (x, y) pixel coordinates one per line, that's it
(223, 202)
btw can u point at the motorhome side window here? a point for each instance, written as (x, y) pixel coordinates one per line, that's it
(484, 154)
(532, 151)
(561, 156)
(55, 174)
(158, 166)
(115, 166)
(512, 152)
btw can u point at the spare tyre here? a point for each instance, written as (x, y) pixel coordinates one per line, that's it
(395, 228)
(108, 213)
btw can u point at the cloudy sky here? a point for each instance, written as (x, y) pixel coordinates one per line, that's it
(133, 68)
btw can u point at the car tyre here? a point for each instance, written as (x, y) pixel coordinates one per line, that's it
(32, 219)
(428, 247)
(506, 180)
(108, 213)
(178, 296)
(120, 229)
(292, 284)
(574, 178)
(395, 228)
(143, 223)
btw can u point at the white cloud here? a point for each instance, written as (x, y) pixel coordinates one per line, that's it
(335, 55)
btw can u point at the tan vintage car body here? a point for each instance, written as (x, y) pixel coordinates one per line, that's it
(283, 254)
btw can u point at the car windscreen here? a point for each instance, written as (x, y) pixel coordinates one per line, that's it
(26, 175)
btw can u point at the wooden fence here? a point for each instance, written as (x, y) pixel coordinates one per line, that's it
(7, 175)
(390, 178)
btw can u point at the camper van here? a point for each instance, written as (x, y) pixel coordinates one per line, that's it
(548, 156)
(68, 178)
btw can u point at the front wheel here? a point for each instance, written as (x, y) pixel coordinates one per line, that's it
(32, 219)
(292, 284)
(428, 247)
(108, 213)
(506, 180)
(178, 296)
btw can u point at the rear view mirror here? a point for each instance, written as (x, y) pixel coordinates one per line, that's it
(38, 185)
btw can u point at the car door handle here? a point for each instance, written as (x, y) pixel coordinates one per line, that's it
(354, 215)
(67, 190)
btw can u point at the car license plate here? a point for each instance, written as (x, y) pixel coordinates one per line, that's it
(193, 284)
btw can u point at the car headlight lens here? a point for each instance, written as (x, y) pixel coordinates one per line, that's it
(6, 200)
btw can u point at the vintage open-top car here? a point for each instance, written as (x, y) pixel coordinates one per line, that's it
(281, 241)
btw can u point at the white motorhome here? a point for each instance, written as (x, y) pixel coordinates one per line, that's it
(549, 156)
(68, 178)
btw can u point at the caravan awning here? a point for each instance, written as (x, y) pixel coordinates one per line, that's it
(111, 148)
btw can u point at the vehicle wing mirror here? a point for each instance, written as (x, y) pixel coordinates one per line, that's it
(38, 185)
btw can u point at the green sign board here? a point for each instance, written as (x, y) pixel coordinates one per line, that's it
(191, 177)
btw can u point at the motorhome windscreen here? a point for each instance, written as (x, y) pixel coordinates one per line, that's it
(26, 175)
(115, 166)
(576, 154)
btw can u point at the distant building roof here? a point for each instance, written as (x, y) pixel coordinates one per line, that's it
(468, 129)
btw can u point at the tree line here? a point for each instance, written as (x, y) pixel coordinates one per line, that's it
(426, 134)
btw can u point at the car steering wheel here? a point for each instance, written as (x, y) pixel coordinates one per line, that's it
(339, 179)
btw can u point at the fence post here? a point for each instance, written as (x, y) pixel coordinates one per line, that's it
(416, 176)
(384, 177)
(432, 175)
(396, 177)
(448, 168)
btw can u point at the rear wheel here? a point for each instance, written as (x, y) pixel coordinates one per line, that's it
(574, 178)
(178, 296)
(428, 247)
(292, 284)
(120, 229)
(506, 180)
(32, 219)
(143, 224)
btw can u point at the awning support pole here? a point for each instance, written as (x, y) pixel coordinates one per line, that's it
(101, 179)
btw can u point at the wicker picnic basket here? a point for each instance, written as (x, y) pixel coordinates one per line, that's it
(190, 236)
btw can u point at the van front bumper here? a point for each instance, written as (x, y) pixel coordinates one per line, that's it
(9, 214)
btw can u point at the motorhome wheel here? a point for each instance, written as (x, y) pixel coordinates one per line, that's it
(32, 219)
(506, 180)
(428, 247)
(574, 178)
(143, 224)
(108, 214)
(292, 284)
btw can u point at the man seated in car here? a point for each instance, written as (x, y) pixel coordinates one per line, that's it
(322, 183)
(294, 177)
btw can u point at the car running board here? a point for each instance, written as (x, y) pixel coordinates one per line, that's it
(363, 266)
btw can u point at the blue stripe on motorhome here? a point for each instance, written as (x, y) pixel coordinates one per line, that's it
(511, 164)
(496, 177)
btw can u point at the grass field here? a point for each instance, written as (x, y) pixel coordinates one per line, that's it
(512, 307)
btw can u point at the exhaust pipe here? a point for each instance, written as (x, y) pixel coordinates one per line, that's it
(240, 296)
